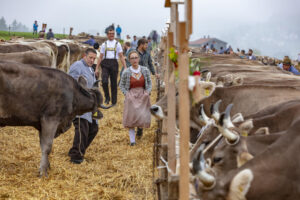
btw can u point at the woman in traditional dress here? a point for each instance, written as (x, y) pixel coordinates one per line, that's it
(136, 86)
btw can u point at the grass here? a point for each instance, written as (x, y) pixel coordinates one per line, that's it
(5, 35)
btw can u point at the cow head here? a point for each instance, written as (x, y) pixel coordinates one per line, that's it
(96, 95)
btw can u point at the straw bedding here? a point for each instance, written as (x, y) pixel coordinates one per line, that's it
(111, 170)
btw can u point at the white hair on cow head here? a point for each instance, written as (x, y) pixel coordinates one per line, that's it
(240, 185)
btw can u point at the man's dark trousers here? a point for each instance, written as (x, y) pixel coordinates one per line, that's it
(82, 141)
(110, 70)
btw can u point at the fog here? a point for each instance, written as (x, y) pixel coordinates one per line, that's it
(270, 27)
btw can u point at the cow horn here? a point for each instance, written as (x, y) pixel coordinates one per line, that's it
(227, 118)
(199, 166)
(208, 76)
(215, 111)
(231, 138)
(106, 107)
(203, 115)
(96, 83)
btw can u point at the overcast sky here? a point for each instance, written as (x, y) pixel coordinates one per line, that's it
(228, 20)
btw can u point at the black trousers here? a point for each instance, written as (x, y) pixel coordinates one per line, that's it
(82, 141)
(110, 70)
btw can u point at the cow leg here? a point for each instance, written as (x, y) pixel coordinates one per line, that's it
(46, 139)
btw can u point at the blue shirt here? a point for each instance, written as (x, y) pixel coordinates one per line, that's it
(118, 30)
(90, 42)
(35, 26)
(252, 57)
(80, 68)
(291, 69)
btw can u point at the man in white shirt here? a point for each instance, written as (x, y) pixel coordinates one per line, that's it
(110, 52)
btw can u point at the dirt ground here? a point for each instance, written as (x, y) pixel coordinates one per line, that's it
(112, 169)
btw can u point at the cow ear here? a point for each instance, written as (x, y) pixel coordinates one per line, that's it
(262, 131)
(246, 127)
(243, 156)
(240, 185)
(82, 81)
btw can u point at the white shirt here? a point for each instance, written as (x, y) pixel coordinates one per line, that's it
(110, 54)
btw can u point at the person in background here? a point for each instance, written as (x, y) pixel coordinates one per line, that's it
(96, 47)
(145, 60)
(221, 51)
(35, 28)
(287, 66)
(86, 128)
(128, 39)
(110, 51)
(134, 42)
(149, 48)
(90, 41)
(118, 30)
(243, 54)
(136, 85)
(50, 34)
(250, 55)
(126, 51)
(155, 38)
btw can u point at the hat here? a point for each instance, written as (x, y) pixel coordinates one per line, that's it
(287, 61)
(96, 45)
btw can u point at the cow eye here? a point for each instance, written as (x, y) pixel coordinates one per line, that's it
(217, 159)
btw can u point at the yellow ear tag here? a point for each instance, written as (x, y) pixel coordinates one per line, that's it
(206, 92)
(241, 189)
(244, 133)
(95, 114)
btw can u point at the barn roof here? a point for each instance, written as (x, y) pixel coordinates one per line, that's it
(202, 41)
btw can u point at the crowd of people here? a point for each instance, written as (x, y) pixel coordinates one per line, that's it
(101, 62)
(285, 64)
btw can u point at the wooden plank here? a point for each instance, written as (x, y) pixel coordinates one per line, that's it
(189, 17)
(171, 111)
(184, 112)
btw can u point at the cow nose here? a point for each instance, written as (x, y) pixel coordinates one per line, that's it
(154, 108)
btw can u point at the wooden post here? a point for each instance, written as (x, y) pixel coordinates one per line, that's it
(189, 17)
(174, 21)
(171, 111)
(184, 112)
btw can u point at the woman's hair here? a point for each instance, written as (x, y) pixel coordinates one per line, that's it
(131, 52)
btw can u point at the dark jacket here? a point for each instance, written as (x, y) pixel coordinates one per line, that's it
(145, 60)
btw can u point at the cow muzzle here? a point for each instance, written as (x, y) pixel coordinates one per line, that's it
(157, 112)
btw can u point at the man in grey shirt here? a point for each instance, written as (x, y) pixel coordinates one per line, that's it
(86, 128)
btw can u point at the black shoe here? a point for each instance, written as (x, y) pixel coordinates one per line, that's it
(139, 133)
(76, 161)
(132, 144)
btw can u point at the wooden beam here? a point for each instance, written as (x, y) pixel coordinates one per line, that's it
(167, 3)
(184, 112)
(189, 17)
(171, 110)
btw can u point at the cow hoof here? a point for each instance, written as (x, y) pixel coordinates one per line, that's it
(43, 173)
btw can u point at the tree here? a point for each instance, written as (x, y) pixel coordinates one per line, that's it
(14, 25)
(3, 26)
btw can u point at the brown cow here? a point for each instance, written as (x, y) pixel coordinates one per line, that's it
(271, 175)
(45, 98)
